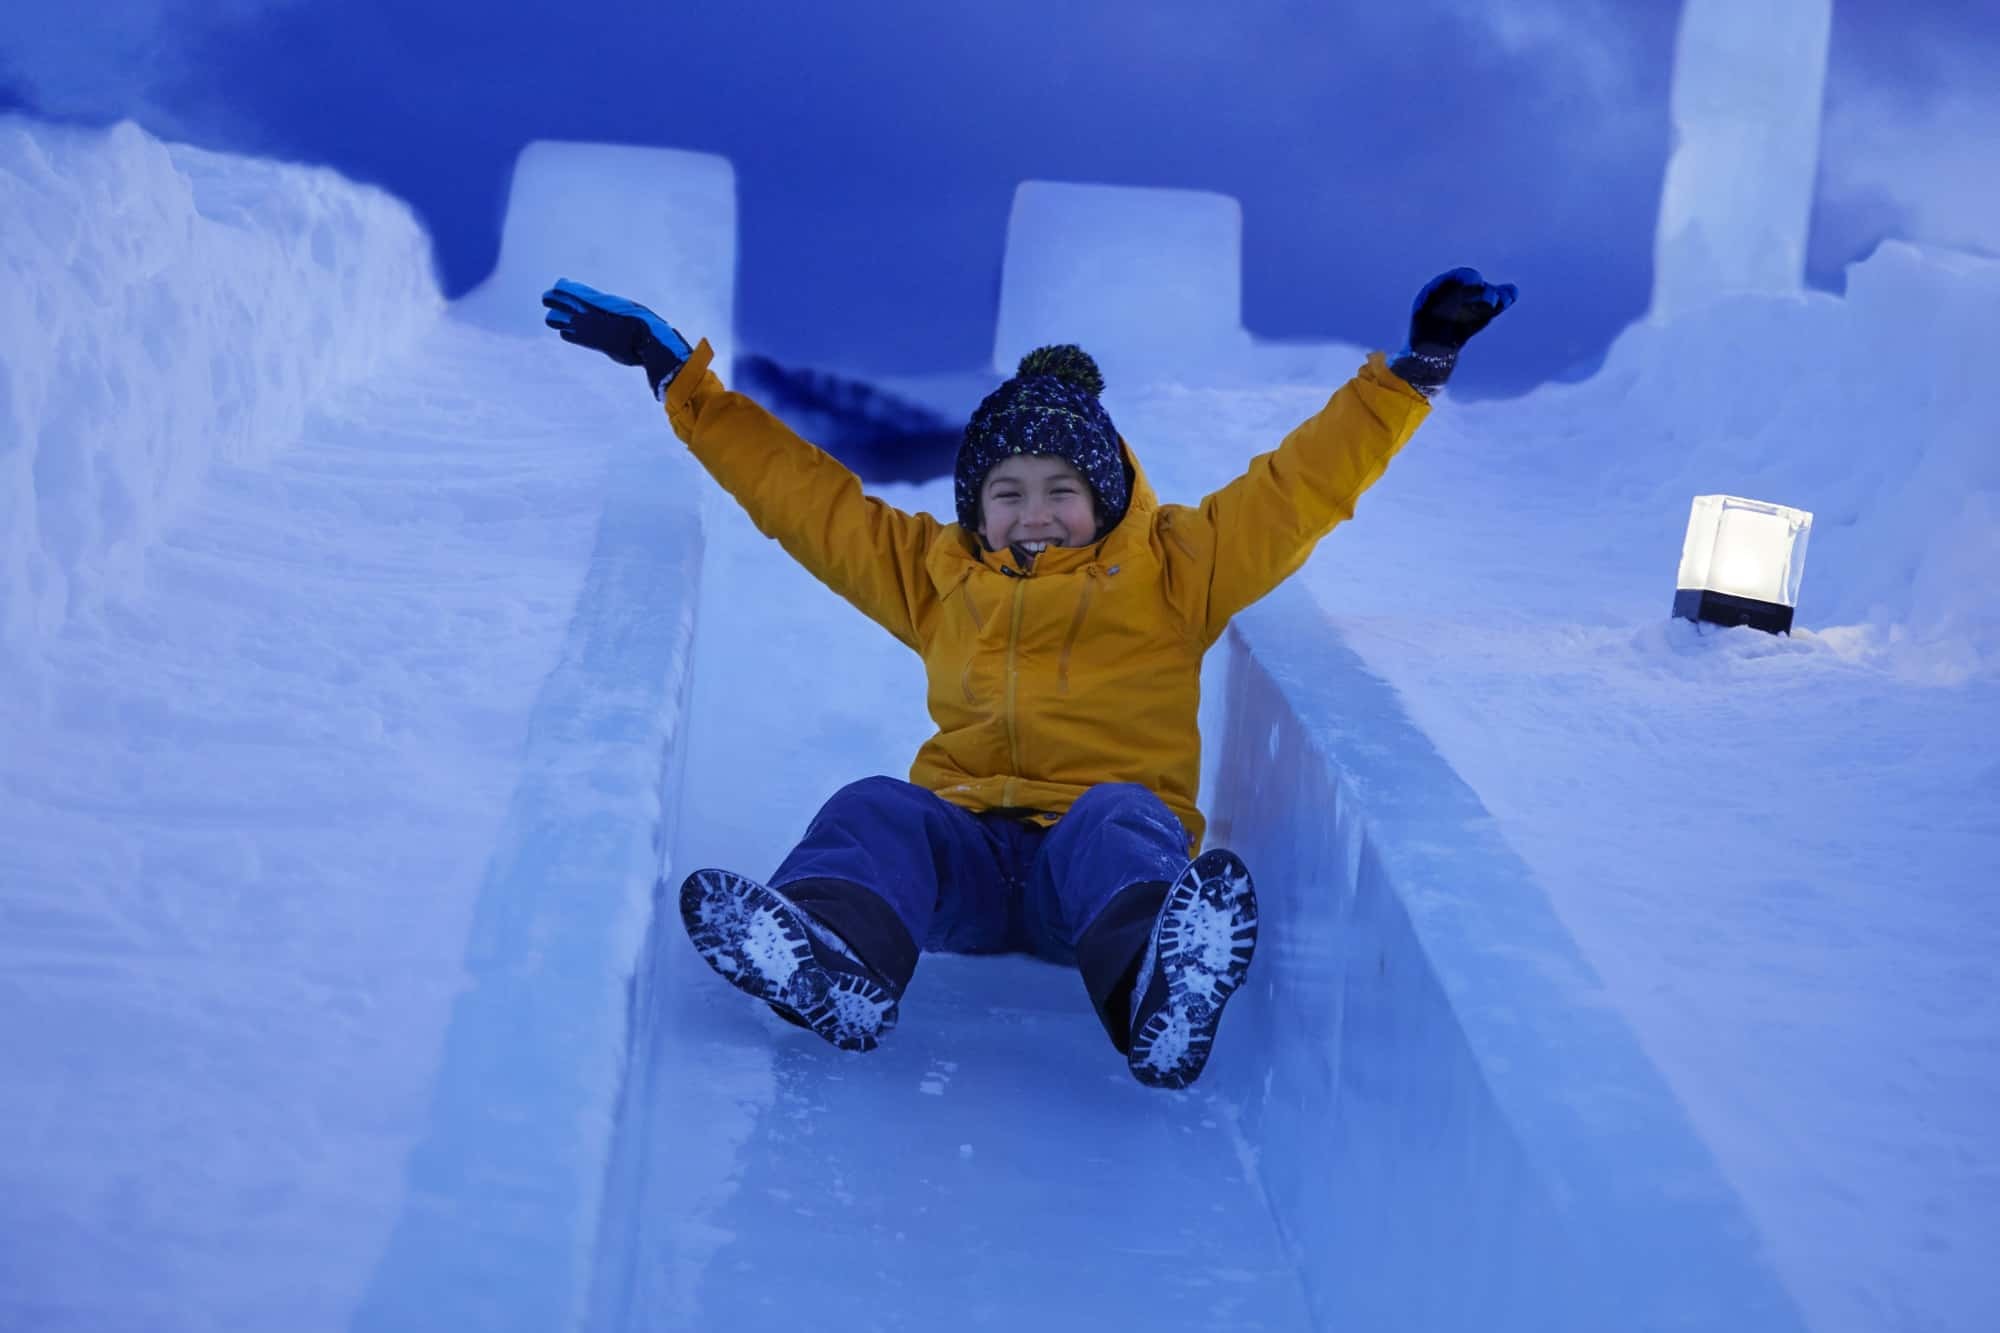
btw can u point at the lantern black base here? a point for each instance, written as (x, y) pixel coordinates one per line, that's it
(1720, 608)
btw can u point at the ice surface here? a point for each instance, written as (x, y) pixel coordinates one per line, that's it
(1736, 208)
(760, 1174)
(167, 309)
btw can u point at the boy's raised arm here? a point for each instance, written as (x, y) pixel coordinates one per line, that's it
(1262, 526)
(869, 552)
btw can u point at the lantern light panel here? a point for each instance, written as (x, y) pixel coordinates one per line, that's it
(1742, 563)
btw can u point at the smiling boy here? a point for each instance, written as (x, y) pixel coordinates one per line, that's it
(1031, 502)
(1062, 621)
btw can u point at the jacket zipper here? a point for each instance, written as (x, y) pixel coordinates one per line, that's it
(1013, 737)
(972, 613)
(1075, 627)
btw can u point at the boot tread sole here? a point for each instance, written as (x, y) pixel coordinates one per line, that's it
(759, 943)
(1203, 943)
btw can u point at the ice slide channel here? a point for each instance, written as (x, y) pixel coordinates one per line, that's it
(1423, 1113)
(1422, 1116)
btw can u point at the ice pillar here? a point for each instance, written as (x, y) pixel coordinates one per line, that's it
(1149, 281)
(1748, 80)
(657, 225)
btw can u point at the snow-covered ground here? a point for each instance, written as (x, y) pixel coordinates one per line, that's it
(275, 746)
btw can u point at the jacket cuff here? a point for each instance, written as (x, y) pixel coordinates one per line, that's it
(693, 378)
(1377, 372)
(1426, 372)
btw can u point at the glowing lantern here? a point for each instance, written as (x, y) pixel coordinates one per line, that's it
(1742, 562)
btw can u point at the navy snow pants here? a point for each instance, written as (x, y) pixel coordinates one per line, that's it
(896, 869)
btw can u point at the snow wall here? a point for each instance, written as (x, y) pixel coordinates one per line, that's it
(1454, 1127)
(103, 436)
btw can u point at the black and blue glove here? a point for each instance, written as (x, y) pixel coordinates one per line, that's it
(623, 330)
(1448, 311)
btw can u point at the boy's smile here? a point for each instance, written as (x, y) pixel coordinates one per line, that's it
(1035, 501)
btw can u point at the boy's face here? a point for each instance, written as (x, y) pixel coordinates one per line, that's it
(1036, 501)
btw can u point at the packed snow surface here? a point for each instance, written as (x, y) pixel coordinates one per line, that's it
(167, 308)
(255, 781)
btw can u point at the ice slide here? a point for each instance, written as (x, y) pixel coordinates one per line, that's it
(1422, 1113)
(287, 750)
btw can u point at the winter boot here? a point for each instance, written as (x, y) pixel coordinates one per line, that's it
(765, 945)
(1198, 956)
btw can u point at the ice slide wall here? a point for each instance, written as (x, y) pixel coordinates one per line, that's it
(507, 1189)
(1455, 1129)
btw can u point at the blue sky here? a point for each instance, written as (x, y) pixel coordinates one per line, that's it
(877, 144)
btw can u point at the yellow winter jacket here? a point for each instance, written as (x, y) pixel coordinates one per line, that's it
(1086, 667)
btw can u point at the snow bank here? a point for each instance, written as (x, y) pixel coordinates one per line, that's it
(166, 307)
(1454, 1126)
(1875, 411)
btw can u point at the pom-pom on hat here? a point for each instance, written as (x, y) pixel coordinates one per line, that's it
(1049, 407)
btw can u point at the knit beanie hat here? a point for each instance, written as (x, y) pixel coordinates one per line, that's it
(1049, 407)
